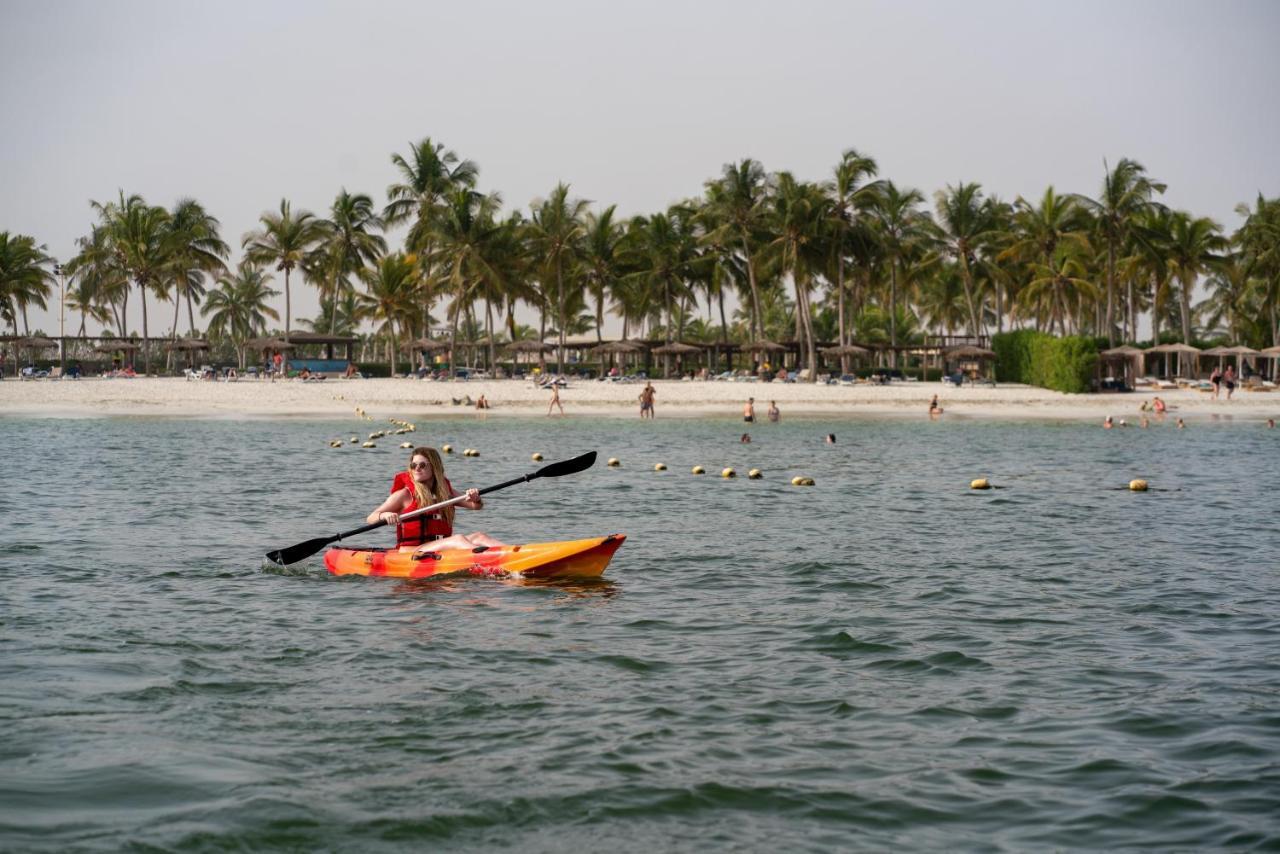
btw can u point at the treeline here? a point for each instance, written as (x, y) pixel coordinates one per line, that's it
(854, 258)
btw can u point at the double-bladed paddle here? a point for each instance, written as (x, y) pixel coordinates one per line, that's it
(306, 549)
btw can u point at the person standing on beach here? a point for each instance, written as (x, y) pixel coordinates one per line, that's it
(749, 411)
(774, 414)
(1229, 380)
(1215, 380)
(555, 399)
(646, 400)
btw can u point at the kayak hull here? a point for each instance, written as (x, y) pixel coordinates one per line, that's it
(568, 559)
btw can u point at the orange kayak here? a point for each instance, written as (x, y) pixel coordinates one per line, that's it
(569, 559)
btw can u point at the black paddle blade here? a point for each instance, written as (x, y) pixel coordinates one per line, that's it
(565, 467)
(295, 553)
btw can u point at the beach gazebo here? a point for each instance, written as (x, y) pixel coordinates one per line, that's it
(518, 347)
(190, 346)
(1130, 360)
(30, 344)
(613, 349)
(844, 352)
(967, 357)
(764, 346)
(112, 348)
(1239, 351)
(1179, 348)
(679, 349)
(1272, 353)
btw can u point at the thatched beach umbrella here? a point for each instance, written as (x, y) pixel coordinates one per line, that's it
(34, 342)
(763, 346)
(845, 350)
(968, 351)
(1179, 348)
(518, 347)
(676, 348)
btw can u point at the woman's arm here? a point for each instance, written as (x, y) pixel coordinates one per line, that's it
(389, 510)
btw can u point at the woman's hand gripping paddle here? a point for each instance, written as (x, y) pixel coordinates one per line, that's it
(306, 549)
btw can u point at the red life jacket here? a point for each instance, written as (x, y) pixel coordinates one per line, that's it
(424, 528)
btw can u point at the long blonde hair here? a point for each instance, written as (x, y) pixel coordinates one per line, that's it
(439, 485)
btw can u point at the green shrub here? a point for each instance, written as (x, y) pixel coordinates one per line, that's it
(1036, 358)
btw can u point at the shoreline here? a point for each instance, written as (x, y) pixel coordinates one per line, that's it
(408, 399)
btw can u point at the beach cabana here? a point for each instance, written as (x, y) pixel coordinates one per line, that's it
(1239, 351)
(968, 358)
(679, 349)
(1179, 348)
(844, 352)
(518, 347)
(614, 349)
(1272, 353)
(30, 344)
(1130, 360)
(190, 346)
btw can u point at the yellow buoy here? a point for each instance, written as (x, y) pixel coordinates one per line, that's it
(614, 462)
(537, 458)
(728, 472)
(337, 443)
(755, 474)
(698, 470)
(446, 449)
(659, 466)
(406, 444)
(1138, 485)
(980, 483)
(368, 445)
(355, 439)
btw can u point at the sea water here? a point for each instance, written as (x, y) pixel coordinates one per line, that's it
(884, 660)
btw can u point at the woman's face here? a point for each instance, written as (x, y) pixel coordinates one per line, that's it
(421, 468)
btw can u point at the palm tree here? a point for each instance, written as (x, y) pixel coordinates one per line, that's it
(1126, 191)
(901, 226)
(284, 240)
(801, 214)
(239, 306)
(852, 196)
(600, 260)
(193, 250)
(555, 232)
(1193, 251)
(428, 174)
(660, 251)
(967, 226)
(99, 285)
(138, 235)
(25, 279)
(736, 205)
(1259, 241)
(391, 285)
(349, 243)
(1060, 285)
(1038, 230)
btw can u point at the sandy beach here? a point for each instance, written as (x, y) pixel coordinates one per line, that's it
(410, 398)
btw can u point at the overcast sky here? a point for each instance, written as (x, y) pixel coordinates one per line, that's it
(240, 104)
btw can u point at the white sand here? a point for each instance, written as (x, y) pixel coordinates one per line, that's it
(411, 398)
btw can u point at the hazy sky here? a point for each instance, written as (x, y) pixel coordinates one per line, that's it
(240, 104)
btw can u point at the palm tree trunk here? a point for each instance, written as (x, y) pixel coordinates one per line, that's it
(893, 314)
(288, 306)
(1111, 290)
(146, 338)
(757, 319)
(1185, 305)
(844, 360)
(666, 301)
(173, 333)
(966, 276)
(1155, 309)
(191, 315)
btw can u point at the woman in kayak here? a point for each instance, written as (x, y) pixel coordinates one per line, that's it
(426, 484)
